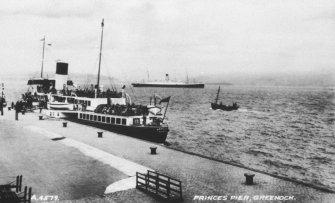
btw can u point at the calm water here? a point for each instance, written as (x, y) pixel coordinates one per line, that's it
(288, 131)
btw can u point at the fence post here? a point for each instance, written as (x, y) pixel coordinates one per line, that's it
(168, 188)
(29, 195)
(181, 191)
(17, 184)
(157, 184)
(25, 194)
(136, 179)
(20, 185)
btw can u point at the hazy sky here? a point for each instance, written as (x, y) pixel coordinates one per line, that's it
(169, 36)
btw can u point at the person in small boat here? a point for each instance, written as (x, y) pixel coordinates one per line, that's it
(222, 105)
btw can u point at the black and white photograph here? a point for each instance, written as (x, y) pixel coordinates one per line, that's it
(150, 101)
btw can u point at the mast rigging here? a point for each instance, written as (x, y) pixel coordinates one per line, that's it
(102, 33)
(217, 96)
(43, 57)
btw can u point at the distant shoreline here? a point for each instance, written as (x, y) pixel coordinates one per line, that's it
(218, 83)
(242, 81)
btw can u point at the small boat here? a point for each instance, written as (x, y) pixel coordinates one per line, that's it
(222, 106)
(60, 105)
(169, 84)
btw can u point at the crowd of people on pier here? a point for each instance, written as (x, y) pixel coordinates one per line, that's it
(23, 106)
(28, 99)
(19, 106)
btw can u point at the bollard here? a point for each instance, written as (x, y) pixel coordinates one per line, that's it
(29, 195)
(20, 183)
(100, 134)
(249, 178)
(16, 115)
(153, 150)
(40, 117)
(64, 124)
(40, 110)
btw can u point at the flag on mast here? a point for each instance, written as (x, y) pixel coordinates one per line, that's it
(167, 99)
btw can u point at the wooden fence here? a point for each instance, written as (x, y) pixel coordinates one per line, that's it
(7, 195)
(160, 185)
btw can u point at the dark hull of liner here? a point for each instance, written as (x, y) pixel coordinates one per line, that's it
(224, 107)
(169, 85)
(150, 133)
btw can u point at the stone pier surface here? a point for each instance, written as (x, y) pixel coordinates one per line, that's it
(78, 166)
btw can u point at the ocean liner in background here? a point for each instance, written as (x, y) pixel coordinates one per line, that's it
(170, 84)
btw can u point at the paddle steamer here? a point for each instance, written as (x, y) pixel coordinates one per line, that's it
(145, 122)
(109, 110)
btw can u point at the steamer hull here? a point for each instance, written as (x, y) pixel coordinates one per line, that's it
(124, 125)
